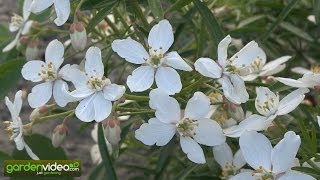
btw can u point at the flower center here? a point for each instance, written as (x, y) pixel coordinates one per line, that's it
(156, 57)
(98, 83)
(263, 174)
(215, 97)
(256, 65)
(17, 20)
(220, 115)
(12, 130)
(315, 68)
(48, 72)
(186, 127)
(267, 106)
(228, 171)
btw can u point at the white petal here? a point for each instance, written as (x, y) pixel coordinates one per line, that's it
(223, 154)
(264, 98)
(174, 60)
(54, 53)
(130, 50)
(77, 77)
(95, 154)
(81, 93)
(40, 94)
(26, 9)
(20, 144)
(61, 93)
(168, 80)
(93, 65)
(208, 67)
(26, 28)
(291, 82)
(161, 36)
(30, 153)
(234, 88)
(85, 110)
(256, 149)
(141, 79)
(295, 175)
(223, 50)
(11, 106)
(274, 66)
(311, 79)
(13, 43)
(113, 92)
(284, 153)
(192, 149)
(243, 176)
(17, 104)
(155, 132)
(30, 71)
(198, 106)
(62, 8)
(250, 77)
(102, 107)
(318, 118)
(209, 133)
(38, 6)
(291, 101)
(301, 70)
(167, 108)
(239, 160)
(13, 27)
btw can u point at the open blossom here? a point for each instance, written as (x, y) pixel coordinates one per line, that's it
(268, 105)
(228, 71)
(230, 164)
(15, 127)
(50, 75)
(310, 78)
(268, 162)
(262, 69)
(93, 89)
(192, 127)
(62, 8)
(157, 64)
(20, 24)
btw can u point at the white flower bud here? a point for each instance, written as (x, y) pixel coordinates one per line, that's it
(78, 36)
(32, 51)
(112, 131)
(235, 111)
(38, 112)
(59, 133)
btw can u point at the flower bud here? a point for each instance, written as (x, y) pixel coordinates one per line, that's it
(59, 133)
(112, 131)
(32, 51)
(235, 111)
(38, 112)
(78, 36)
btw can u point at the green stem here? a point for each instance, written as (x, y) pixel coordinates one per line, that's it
(42, 119)
(131, 109)
(136, 113)
(77, 9)
(113, 27)
(136, 98)
(140, 14)
(215, 89)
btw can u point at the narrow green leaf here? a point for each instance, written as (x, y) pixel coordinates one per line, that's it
(179, 4)
(4, 156)
(156, 8)
(316, 10)
(307, 170)
(214, 29)
(106, 160)
(97, 173)
(250, 20)
(296, 31)
(183, 174)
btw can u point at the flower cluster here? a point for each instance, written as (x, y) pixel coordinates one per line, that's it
(196, 121)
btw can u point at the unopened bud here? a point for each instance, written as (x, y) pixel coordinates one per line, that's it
(59, 133)
(22, 43)
(235, 111)
(32, 51)
(215, 97)
(38, 112)
(112, 131)
(78, 36)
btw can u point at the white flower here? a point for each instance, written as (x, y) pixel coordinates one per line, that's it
(268, 105)
(260, 69)
(15, 128)
(228, 71)
(20, 24)
(95, 151)
(312, 18)
(230, 164)
(49, 73)
(157, 64)
(318, 118)
(192, 127)
(268, 162)
(62, 8)
(93, 89)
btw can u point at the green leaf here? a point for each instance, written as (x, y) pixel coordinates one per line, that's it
(156, 9)
(184, 173)
(250, 20)
(101, 14)
(296, 31)
(98, 173)
(9, 75)
(106, 160)
(4, 156)
(179, 4)
(214, 29)
(316, 10)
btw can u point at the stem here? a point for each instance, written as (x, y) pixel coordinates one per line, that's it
(113, 27)
(135, 113)
(313, 165)
(209, 86)
(77, 9)
(131, 109)
(42, 119)
(140, 13)
(136, 98)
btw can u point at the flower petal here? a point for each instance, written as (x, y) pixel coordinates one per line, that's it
(26, 9)
(77, 77)
(38, 6)
(243, 176)
(161, 36)
(209, 133)
(30, 71)
(197, 107)
(26, 28)
(17, 104)
(13, 43)
(61, 93)
(30, 153)
(301, 70)
(223, 50)
(155, 132)
(192, 149)
(238, 160)
(284, 153)
(102, 107)
(223, 155)
(62, 8)
(291, 101)
(291, 82)
(318, 119)
(167, 108)
(174, 60)
(256, 149)
(141, 79)
(54, 53)
(85, 110)
(93, 64)
(168, 80)
(113, 92)
(275, 66)
(40, 94)
(131, 50)
(295, 175)
(208, 67)
(234, 88)
(266, 101)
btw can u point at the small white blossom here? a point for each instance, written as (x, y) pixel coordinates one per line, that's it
(20, 24)
(15, 127)
(268, 162)
(228, 71)
(268, 105)
(49, 73)
(192, 127)
(95, 151)
(62, 8)
(156, 65)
